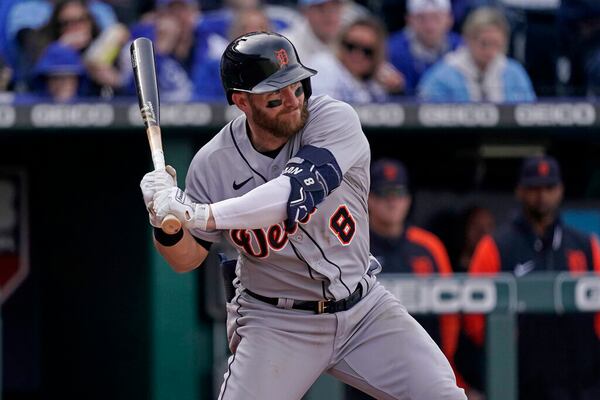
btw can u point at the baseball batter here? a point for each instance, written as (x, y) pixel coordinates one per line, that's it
(286, 183)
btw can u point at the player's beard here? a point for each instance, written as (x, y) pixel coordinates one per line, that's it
(276, 126)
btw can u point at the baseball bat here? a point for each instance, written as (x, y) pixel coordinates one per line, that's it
(144, 71)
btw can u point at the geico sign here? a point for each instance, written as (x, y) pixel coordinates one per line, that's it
(380, 114)
(84, 115)
(560, 114)
(443, 296)
(8, 116)
(587, 294)
(459, 115)
(193, 114)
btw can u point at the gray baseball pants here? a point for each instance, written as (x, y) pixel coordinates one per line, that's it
(376, 346)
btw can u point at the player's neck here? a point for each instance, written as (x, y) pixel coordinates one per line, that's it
(262, 140)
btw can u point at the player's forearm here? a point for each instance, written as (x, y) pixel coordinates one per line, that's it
(263, 206)
(183, 254)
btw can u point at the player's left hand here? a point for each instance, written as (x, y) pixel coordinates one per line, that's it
(155, 181)
(174, 201)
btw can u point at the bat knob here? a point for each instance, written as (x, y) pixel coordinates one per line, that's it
(170, 225)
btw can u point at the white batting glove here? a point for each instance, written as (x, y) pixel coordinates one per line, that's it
(155, 181)
(152, 183)
(175, 201)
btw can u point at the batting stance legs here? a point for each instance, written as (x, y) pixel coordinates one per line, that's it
(279, 353)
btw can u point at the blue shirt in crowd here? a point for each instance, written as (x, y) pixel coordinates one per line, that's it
(412, 59)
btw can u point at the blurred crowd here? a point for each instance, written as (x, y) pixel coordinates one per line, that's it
(365, 51)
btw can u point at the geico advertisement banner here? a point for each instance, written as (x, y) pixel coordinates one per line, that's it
(439, 296)
(549, 293)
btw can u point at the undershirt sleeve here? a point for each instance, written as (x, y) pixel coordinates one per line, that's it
(262, 206)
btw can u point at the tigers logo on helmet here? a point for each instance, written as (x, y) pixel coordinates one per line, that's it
(282, 58)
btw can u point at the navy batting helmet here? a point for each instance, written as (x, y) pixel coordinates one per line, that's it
(261, 62)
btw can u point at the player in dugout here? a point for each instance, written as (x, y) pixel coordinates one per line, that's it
(401, 246)
(558, 356)
(287, 183)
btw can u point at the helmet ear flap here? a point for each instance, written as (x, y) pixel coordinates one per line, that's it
(306, 86)
(229, 94)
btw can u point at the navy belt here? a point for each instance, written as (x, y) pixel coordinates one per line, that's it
(318, 307)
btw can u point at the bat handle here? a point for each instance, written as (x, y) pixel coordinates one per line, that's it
(170, 224)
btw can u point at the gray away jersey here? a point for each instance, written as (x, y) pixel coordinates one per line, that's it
(327, 256)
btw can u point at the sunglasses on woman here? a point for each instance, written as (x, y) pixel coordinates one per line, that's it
(368, 52)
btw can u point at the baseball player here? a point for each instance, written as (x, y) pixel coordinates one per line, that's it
(287, 183)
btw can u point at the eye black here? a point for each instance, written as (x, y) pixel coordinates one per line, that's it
(274, 103)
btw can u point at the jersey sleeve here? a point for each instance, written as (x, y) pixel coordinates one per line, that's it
(197, 186)
(335, 126)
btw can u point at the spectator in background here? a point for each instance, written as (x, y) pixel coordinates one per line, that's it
(179, 46)
(579, 34)
(358, 72)
(6, 74)
(317, 33)
(479, 71)
(206, 76)
(477, 222)
(559, 356)
(57, 75)
(424, 41)
(187, 43)
(405, 248)
(188, 48)
(19, 30)
(216, 25)
(72, 24)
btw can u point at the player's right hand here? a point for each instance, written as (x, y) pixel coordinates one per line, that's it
(152, 183)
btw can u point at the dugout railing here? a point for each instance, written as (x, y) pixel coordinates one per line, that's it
(501, 298)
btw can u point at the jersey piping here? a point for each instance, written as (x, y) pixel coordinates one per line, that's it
(326, 259)
(241, 154)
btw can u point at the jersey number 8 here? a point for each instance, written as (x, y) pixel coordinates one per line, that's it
(343, 225)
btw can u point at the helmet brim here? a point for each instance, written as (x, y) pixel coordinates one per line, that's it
(283, 78)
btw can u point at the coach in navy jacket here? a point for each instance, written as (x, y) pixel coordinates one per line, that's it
(559, 356)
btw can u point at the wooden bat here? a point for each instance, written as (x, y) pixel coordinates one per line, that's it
(144, 70)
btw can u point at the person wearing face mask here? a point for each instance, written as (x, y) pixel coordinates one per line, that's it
(480, 70)
(558, 356)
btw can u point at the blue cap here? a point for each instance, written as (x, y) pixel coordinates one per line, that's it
(59, 59)
(388, 177)
(540, 171)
